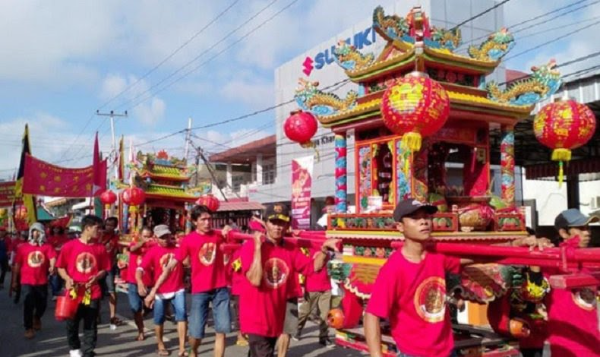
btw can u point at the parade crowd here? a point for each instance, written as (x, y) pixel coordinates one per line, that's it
(256, 289)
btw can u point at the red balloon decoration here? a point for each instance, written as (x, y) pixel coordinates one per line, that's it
(108, 197)
(562, 126)
(414, 107)
(300, 127)
(134, 196)
(210, 201)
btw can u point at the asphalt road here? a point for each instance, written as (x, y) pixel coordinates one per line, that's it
(51, 340)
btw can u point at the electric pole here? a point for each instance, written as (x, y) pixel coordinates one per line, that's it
(112, 116)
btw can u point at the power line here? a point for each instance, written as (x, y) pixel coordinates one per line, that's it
(552, 41)
(187, 42)
(480, 14)
(189, 63)
(217, 54)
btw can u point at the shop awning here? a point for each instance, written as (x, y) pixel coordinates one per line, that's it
(240, 206)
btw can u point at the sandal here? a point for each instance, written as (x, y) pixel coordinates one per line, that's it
(116, 321)
(163, 352)
(183, 354)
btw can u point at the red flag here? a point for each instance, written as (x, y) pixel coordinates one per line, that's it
(99, 167)
(45, 179)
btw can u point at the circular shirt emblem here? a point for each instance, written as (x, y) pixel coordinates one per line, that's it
(226, 259)
(166, 259)
(430, 299)
(584, 298)
(85, 262)
(207, 253)
(275, 272)
(35, 259)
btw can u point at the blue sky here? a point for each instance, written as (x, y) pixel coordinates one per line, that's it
(62, 60)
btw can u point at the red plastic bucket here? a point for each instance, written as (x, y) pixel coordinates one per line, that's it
(66, 308)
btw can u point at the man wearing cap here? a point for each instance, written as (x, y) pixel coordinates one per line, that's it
(269, 264)
(573, 313)
(209, 280)
(410, 290)
(170, 291)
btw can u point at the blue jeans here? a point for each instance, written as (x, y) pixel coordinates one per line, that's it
(135, 300)
(55, 284)
(199, 312)
(178, 304)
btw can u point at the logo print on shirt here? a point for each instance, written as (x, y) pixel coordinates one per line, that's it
(166, 259)
(275, 272)
(584, 298)
(207, 253)
(35, 259)
(85, 263)
(430, 299)
(139, 259)
(226, 259)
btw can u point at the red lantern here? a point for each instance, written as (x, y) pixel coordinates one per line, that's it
(562, 126)
(108, 198)
(300, 127)
(134, 196)
(210, 201)
(414, 107)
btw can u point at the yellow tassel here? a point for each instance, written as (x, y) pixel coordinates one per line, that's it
(412, 141)
(561, 155)
(561, 173)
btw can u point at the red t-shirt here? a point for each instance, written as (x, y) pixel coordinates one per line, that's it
(57, 241)
(573, 324)
(83, 261)
(262, 309)
(319, 281)
(111, 244)
(135, 259)
(35, 262)
(156, 259)
(206, 260)
(413, 297)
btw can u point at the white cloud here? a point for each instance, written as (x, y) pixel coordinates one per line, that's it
(147, 109)
(254, 92)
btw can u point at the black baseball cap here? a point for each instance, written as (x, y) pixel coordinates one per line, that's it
(573, 218)
(409, 206)
(277, 211)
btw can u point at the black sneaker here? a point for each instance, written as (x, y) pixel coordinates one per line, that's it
(325, 342)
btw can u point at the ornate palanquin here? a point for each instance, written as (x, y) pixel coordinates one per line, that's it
(165, 182)
(386, 172)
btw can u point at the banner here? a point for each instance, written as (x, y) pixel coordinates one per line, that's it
(28, 200)
(44, 179)
(7, 194)
(302, 169)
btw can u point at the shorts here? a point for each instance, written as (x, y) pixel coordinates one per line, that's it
(135, 300)
(261, 346)
(178, 304)
(199, 312)
(107, 284)
(290, 325)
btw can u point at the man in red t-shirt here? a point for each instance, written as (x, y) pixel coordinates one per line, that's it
(5, 246)
(410, 291)
(110, 240)
(171, 290)
(573, 326)
(136, 291)
(209, 280)
(317, 296)
(34, 260)
(269, 264)
(82, 263)
(56, 240)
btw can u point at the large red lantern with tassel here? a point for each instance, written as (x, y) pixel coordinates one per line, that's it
(134, 196)
(415, 107)
(108, 198)
(210, 201)
(300, 127)
(562, 126)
